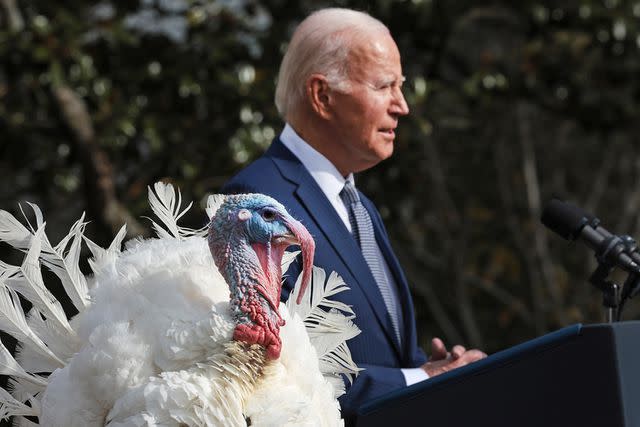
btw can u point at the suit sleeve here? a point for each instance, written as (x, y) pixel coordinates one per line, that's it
(372, 382)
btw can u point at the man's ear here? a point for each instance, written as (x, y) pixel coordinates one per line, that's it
(319, 94)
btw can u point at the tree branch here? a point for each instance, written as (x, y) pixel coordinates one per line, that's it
(512, 302)
(14, 17)
(103, 205)
(506, 195)
(532, 187)
(465, 307)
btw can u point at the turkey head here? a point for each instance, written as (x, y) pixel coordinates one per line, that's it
(248, 235)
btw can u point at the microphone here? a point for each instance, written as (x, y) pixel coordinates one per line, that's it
(571, 222)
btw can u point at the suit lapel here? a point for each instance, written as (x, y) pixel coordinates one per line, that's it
(331, 225)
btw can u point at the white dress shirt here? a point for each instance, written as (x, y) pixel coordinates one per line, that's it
(331, 183)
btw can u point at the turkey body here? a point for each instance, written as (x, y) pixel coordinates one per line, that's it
(155, 347)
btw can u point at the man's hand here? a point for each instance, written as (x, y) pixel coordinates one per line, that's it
(442, 360)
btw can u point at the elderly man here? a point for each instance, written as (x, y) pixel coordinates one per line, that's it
(339, 91)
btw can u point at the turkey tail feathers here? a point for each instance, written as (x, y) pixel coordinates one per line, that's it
(287, 258)
(329, 326)
(10, 406)
(66, 267)
(213, 204)
(311, 306)
(13, 232)
(9, 366)
(45, 337)
(63, 266)
(166, 207)
(27, 280)
(14, 322)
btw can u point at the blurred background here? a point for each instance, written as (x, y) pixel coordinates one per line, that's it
(512, 103)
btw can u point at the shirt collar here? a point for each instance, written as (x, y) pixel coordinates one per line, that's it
(321, 169)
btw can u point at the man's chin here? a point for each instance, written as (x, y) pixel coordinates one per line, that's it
(384, 151)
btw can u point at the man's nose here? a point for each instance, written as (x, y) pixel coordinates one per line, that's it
(399, 105)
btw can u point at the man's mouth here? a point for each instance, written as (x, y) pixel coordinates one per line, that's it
(390, 132)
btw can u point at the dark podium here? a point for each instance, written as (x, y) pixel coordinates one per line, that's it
(582, 375)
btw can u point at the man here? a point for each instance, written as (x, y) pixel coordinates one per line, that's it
(339, 91)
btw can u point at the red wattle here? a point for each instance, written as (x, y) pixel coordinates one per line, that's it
(256, 334)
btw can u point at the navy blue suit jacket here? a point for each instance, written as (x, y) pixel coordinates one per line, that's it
(279, 174)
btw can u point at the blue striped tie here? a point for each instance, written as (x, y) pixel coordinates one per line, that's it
(362, 229)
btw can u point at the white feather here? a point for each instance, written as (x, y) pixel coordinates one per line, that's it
(103, 257)
(12, 231)
(167, 208)
(287, 258)
(312, 303)
(214, 202)
(29, 283)
(23, 390)
(7, 271)
(63, 345)
(39, 217)
(65, 267)
(9, 366)
(23, 422)
(328, 330)
(13, 322)
(10, 406)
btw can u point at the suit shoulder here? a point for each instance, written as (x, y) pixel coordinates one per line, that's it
(261, 176)
(249, 178)
(258, 167)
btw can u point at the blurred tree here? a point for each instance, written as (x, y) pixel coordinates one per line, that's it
(511, 103)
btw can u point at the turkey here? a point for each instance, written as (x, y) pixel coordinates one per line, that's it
(183, 329)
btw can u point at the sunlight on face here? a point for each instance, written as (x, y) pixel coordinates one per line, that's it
(366, 116)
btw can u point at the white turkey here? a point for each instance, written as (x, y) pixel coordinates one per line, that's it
(176, 330)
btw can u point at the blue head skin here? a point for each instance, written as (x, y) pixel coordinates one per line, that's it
(247, 237)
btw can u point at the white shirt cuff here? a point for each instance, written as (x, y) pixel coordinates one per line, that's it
(414, 375)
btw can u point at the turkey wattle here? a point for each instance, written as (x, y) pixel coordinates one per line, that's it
(164, 337)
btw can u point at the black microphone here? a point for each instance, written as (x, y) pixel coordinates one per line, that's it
(572, 223)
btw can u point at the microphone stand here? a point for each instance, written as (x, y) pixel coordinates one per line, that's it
(631, 286)
(613, 299)
(610, 291)
(630, 289)
(612, 251)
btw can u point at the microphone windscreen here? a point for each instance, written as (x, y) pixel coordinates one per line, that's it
(566, 219)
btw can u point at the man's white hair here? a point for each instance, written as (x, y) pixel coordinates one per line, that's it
(321, 44)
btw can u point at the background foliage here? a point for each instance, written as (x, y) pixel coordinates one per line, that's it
(512, 103)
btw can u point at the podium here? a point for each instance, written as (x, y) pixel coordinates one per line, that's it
(582, 375)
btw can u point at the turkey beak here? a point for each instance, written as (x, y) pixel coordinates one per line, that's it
(307, 246)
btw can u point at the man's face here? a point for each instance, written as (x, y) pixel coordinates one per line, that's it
(366, 116)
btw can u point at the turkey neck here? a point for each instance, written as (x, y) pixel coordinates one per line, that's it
(254, 277)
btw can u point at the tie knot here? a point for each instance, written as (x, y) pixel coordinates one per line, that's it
(349, 194)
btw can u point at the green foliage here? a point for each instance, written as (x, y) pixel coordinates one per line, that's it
(511, 104)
